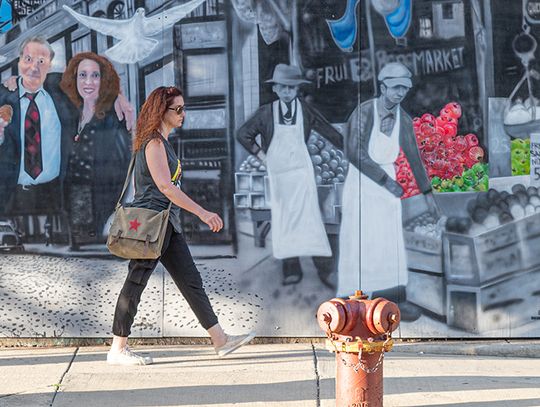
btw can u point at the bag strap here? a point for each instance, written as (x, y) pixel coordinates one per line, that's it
(126, 182)
(128, 178)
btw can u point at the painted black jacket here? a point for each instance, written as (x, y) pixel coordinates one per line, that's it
(262, 122)
(10, 150)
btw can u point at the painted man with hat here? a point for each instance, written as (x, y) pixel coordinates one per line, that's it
(284, 127)
(377, 130)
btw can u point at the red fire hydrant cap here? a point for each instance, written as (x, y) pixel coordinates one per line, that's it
(386, 317)
(331, 315)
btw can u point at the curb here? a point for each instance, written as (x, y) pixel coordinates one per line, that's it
(500, 348)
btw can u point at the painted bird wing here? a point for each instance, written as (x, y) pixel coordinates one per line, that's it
(156, 24)
(115, 28)
(133, 50)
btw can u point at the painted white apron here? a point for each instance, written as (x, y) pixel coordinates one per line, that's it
(297, 226)
(349, 236)
(382, 258)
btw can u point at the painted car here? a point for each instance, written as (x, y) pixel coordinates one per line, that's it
(9, 239)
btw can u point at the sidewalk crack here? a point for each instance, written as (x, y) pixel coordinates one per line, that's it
(11, 394)
(57, 385)
(317, 377)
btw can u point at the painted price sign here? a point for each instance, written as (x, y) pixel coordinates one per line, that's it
(535, 159)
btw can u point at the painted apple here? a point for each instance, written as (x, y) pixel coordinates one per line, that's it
(472, 139)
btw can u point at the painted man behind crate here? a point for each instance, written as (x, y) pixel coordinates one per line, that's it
(285, 126)
(385, 128)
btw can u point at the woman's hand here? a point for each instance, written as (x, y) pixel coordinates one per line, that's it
(212, 220)
(156, 158)
(11, 83)
(124, 109)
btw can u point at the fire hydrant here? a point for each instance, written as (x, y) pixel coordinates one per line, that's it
(359, 332)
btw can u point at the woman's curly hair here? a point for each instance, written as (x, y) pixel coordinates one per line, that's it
(109, 85)
(151, 115)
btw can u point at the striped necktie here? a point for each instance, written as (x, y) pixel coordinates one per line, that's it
(33, 162)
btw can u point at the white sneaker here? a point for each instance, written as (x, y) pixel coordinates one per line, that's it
(127, 357)
(233, 343)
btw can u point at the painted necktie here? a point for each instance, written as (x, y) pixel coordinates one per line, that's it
(288, 115)
(33, 163)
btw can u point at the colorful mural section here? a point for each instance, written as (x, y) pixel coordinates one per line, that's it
(460, 268)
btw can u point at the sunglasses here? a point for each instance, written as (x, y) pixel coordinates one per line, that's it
(178, 109)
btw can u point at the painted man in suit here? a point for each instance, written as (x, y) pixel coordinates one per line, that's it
(35, 145)
(284, 127)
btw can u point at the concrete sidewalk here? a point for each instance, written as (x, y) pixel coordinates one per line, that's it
(258, 375)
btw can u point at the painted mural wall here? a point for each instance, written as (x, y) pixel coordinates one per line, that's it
(457, 80)
(387, 145)
(269, 88)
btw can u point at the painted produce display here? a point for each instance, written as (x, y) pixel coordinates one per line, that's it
(447, 156)
(521, 156)
(328, 162)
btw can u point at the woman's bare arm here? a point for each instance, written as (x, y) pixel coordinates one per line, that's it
(156, 158)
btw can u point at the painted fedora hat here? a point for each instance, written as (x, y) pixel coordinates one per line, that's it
(287, 75)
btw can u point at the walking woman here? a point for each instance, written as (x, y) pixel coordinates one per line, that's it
(156, 168)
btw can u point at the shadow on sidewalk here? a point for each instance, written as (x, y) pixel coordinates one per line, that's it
(499, 403)
(203, 395)
(433, 384)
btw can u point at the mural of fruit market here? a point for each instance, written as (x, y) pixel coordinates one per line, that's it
(460, 250)
(384, 145)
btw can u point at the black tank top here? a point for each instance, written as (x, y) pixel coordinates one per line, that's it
(147, 194)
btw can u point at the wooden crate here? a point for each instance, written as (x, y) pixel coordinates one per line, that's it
(249, 181)
(242, 181)
(257, 201)
(423, 252)
(475, 260)
(529, 233)
(241, 200)
(500, 305)
(428, 291)
(257, 182)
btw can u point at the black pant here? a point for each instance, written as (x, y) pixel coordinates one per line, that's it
(176, 258)
(40, 199)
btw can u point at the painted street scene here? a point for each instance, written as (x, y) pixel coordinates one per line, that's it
(346, 146)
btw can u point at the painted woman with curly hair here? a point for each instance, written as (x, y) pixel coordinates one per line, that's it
(156, 170)
(100, 154)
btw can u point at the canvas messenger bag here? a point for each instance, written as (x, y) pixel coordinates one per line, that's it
(137, 233)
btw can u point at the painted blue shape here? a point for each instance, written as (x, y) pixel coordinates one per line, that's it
(397, 16)
(5, 16)
(399, 20)
(399, 30)
(344, 30)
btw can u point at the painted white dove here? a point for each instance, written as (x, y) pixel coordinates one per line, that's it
(134, 33)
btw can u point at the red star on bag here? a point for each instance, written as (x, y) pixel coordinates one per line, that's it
(134, 224)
